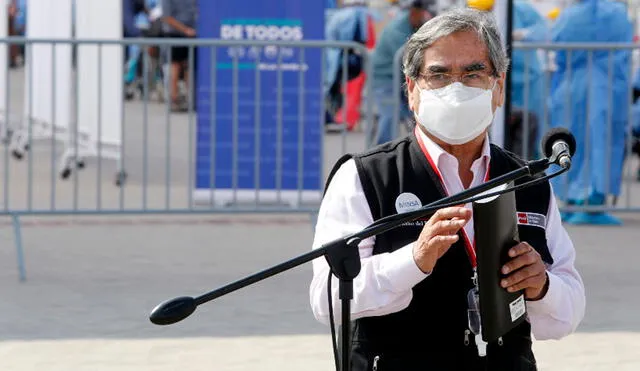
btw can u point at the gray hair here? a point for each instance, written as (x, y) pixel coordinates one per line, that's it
(452, 21)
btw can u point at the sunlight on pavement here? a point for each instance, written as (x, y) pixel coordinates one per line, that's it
(581, 351)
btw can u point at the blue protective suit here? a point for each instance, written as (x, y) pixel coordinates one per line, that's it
(585, 102)
(526, 69)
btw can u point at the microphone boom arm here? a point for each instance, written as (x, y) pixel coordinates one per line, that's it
(342, 256)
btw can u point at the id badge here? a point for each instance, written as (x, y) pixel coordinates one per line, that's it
(473, 311)
(473, 300)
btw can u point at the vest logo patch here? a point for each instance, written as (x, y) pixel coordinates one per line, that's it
(532, 219)
(407, 202)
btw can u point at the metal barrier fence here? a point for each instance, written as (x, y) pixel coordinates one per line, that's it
(254, 144)
(543, 98)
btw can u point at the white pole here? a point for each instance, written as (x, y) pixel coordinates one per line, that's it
(497, 129)
(4, 64)
(100, 69)
(48, 67)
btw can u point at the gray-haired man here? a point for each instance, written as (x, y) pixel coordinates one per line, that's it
(410, 306)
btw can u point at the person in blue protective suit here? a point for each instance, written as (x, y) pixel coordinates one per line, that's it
(591, 99)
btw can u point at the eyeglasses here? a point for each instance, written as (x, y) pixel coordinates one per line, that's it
(476, 79)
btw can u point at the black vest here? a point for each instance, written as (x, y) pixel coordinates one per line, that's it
(432, 333)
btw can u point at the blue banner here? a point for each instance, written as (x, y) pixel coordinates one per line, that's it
(259, 107)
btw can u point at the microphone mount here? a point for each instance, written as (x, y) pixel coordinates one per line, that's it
(559, 145)
(343, 256)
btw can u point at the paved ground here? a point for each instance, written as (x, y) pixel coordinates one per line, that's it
(93, 281)
(91, 287)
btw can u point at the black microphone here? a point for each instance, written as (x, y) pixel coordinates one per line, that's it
(558, 144)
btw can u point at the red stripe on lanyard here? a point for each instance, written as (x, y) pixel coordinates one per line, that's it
(471, 252)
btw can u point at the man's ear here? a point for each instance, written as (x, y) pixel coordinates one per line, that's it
(499, 90)
(411, 85)
(501, 82)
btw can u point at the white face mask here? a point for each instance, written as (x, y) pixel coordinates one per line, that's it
(455, 114)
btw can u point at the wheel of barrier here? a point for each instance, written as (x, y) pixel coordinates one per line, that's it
(19, 146)
(65, 173)
(129, 95)
(67, 168)
(18, 154)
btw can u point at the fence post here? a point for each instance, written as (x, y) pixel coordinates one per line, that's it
(370, 116)
(397, 90)
(17, 233)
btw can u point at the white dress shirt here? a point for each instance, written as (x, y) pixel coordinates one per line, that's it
(385, 282)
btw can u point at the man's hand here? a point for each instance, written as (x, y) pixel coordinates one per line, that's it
(190, 32)
(526, 271)
(437, 236)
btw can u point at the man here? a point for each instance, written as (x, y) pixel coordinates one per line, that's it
(527, 78)
(180, 20)
(415, 279)
(392, 39)
(590, 95)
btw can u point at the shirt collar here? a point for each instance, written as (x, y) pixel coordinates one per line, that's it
(440, 156)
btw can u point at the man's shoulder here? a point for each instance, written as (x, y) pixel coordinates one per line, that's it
(384, 148)
(370, 158)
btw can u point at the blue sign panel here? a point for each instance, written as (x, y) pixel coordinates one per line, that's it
(259, 107)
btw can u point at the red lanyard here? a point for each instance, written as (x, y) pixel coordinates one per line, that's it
(471, 252)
